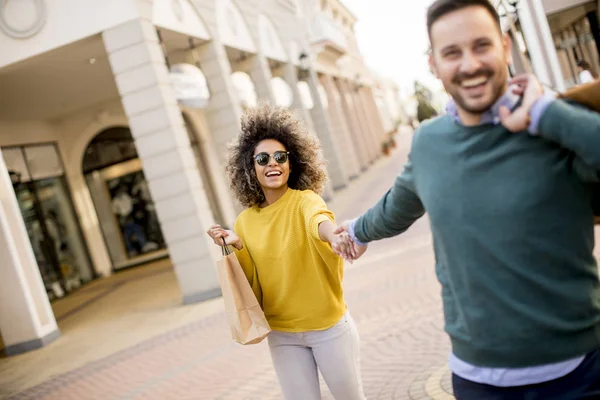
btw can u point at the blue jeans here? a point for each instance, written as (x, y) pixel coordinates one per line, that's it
(581, 384)
(130, 229)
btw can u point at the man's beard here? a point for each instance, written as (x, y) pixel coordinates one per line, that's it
(498, 88)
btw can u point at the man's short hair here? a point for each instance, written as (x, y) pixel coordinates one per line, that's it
(443, 7)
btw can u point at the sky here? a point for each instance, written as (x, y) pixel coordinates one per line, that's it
(392, 37)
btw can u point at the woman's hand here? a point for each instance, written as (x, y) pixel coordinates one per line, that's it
(343, 245)
(217, 233)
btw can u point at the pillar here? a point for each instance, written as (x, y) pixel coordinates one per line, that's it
(592, 18)
(290, 75)
(163, 146)
(339, 126)
(370, 131)
(365, 129)
(540, 43)
(360, 144)
(260, 73)
(26, 318)
(337, 171)
(223, 115)
(374, 112)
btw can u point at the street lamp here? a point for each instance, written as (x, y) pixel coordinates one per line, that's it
(357, 84)
(304, 64)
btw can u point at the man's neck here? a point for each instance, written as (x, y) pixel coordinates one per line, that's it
(467, 118)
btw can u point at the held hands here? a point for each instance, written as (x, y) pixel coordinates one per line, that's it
(530, 88)
(344, 246)
(216, 233)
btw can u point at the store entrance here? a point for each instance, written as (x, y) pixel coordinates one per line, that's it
(123, 202)
(44, 199)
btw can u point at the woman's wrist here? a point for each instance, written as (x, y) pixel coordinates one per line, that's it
(239, 245)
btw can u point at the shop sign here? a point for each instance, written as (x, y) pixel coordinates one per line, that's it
(190, 86)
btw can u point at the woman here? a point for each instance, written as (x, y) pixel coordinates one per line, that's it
(585, 72)
(284, 241)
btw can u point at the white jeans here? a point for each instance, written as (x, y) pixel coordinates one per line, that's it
(334, 351)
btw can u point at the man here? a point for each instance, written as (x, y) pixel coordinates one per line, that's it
(585, 72)
(504, 178)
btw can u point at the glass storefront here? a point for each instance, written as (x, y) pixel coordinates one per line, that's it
(135, 213)
(122, 199)
(123, 202)
(43, 195)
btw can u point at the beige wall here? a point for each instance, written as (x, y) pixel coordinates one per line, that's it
(13, 133)
(93, 17)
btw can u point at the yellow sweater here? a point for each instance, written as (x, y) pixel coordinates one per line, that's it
(300, 276)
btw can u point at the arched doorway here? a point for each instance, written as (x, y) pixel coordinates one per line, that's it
(123, 202)
(126, 211)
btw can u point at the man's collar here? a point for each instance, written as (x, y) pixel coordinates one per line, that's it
(491, 116)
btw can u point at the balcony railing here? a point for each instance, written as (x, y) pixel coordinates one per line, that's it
(328, 36)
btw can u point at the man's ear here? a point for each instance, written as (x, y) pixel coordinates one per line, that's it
(507, 43)
(432, 65)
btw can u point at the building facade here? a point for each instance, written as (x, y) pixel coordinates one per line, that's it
(551, 36)
(114, 123)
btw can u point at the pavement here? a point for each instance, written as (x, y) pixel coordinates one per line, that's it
(128, 337)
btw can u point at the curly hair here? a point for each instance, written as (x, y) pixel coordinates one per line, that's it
(263, 122)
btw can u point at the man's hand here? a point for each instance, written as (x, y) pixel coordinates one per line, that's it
(343, 245)
(531, 89)
(343, 227)
(357, 250)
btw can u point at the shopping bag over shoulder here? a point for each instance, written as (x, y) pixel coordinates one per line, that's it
(245, 316)
(589, 96)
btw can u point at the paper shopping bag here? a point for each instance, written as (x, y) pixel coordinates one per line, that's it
(588, 95)
(245, 316)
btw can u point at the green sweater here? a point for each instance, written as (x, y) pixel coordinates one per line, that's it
(513, 234)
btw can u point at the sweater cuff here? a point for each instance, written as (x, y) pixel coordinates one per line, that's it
(353, 235)
(316, 221)
(537, 111)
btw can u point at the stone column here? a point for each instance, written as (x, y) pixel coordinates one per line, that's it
(365, 117)
(374, 113)
(26, 318)
(340, 128)
(337, 171)
(223, 117)
(540, 43)
(260, 73)
(164, 148)
(290, 75)
(365, 130)
(354, 126)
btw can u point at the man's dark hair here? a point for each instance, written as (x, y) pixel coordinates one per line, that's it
(442, 7)
(584, 64)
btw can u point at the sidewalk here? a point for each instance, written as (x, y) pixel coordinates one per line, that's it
(126, 309)
(128, 337)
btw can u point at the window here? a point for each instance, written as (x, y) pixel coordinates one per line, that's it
(37, 175)
(43, 161)
(290, 5)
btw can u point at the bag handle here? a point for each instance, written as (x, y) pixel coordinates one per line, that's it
(225, 249)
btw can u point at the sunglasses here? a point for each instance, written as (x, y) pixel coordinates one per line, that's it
(262, 159)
